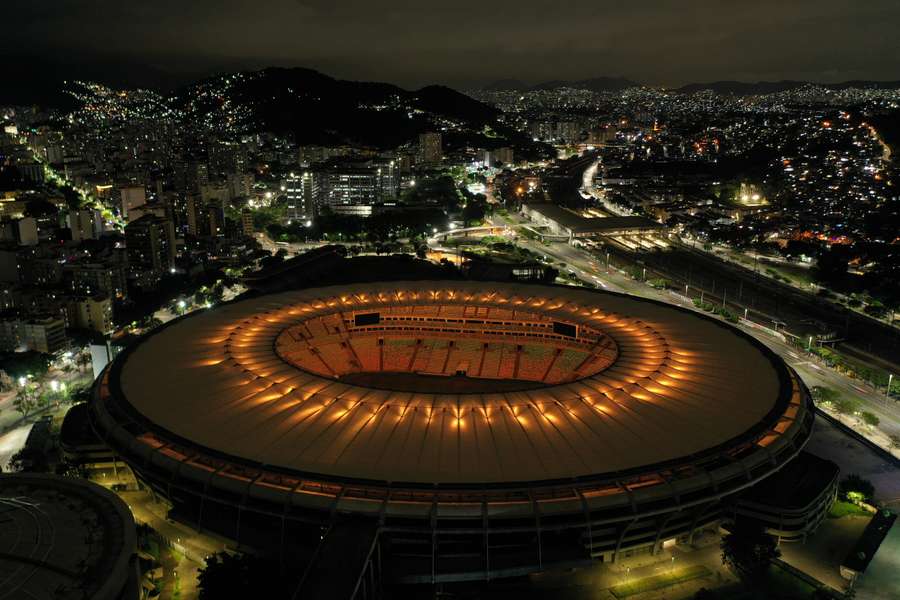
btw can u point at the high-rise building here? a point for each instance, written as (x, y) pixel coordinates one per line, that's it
(91, 312)
(89, 279)
(197, 217)
(430, 149)
(81, 224)
(240, 184)
(355, 187)
(216, 218)
(27, 231)
(302, 191)
(247, 223)
(131, 196)
(31, 171)
(150, 241)
(201, 174)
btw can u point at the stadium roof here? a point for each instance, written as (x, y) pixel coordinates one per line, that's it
(682, 385)
(63, 538)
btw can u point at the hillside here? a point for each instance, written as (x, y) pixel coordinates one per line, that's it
(316, 108)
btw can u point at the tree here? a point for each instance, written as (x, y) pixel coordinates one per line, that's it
(831, 266)
(26, 400)
(870, 419)
(748, 550)
(23, 364)
(29, 460)
(473, 213)
(824, 395)
(846, 406)
(854, 488)
(227, 576)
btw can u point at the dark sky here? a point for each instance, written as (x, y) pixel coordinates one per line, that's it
(462, 42)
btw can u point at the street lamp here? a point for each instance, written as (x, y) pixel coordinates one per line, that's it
(890, 379)
(54, 385)
(22, 381)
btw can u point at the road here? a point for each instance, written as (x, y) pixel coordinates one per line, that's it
(268, 244)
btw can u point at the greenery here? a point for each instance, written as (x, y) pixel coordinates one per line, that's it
(870, 419)
(877, 377)
(233, 576)
(30, 460)
(22, 364)
(846, 406)
(748, 550)
(263, 217)
(854, 488)
(841, 508)
(727, 314)
(704, 305)
(27, 399)
(824, 395)
(657, 582)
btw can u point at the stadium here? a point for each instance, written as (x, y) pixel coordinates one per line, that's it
(451, 430)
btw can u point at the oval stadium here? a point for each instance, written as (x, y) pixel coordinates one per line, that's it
(452, 430)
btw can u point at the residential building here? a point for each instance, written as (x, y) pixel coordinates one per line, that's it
(131, 196)
(150, 241)
(430, 149)
(42, 334)
(91, 312)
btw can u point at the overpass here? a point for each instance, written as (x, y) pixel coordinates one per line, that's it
(467, 231)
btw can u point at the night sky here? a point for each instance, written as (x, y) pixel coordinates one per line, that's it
(460, 43)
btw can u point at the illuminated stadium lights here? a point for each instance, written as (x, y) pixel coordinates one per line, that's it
(586, 423)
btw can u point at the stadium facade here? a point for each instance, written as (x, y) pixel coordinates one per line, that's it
(464, 430)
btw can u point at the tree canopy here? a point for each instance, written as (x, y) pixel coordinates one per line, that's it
(748, 550)
(227, 576)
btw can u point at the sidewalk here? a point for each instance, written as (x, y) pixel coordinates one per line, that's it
(193, 544)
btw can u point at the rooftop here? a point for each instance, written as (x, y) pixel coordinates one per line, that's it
(579, 224)
(64, 538)
(681, 384)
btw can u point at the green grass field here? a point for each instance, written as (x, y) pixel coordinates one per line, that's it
(843, 509)
(657, 582)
